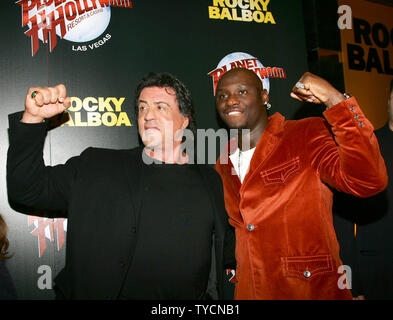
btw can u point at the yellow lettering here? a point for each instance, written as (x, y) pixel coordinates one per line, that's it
(118, 103)
(242, 5)
(93, 119)
(103, 105)
(90, 104)
(269, 18)
(214, 13)
(78, 121)
(231, 3)
(234, 15)
(70, 122)
(109, 119)
(247, 15)
(225, 14)
(265, 4)
(241, 10)
(217, 3)
(258, 16)
(76, 104)
(254, 5)
(123, 119)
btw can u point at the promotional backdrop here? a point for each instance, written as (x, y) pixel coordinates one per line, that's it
(100, 53)
(367, 50)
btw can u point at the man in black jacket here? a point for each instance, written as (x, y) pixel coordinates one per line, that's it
(370, 252)
(143, 227)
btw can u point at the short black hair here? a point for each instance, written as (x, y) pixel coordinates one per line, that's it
(183, 95)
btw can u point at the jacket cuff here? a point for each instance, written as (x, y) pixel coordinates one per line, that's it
(347, 110)
(27, 131)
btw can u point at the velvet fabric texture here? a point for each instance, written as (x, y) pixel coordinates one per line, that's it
(286, 246)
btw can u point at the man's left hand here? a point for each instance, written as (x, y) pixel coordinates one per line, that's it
(317, 90)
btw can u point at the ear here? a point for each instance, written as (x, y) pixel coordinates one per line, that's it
(186, 122)
(265, 96)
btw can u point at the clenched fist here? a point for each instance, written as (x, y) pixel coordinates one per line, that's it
(316, 90)
(46, 103)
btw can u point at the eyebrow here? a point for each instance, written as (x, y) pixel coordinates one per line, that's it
(157, 102)
(238, 85)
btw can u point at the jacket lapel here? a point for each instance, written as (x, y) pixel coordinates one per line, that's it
(227, 165)
(267, 144)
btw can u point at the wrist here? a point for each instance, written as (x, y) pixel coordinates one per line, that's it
(334, 99)
(29, 118)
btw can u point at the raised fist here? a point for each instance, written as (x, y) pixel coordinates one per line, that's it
(314, 89)
(45, 102)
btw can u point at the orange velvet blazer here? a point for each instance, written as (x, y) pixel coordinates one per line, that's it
(286, 246)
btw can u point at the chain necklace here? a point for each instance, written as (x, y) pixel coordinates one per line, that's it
(243, 163)
(239, 166)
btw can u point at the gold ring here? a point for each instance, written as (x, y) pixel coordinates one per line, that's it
(33, 94)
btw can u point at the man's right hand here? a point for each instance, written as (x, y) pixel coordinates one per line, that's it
(48, 102)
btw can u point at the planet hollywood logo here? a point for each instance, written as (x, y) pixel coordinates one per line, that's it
(45, 229)
(78, 21)
(245, 60)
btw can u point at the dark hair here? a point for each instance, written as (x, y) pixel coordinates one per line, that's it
(167, 80)
(3, 240)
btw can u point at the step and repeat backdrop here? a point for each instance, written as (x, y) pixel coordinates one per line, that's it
(100, 49)
(367, 55)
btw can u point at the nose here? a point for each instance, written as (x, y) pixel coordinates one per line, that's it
(149, 114)
(232, 101)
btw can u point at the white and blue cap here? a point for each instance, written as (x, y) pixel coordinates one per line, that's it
(239, 60)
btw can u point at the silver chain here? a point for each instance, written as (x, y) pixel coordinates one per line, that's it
(239, 166)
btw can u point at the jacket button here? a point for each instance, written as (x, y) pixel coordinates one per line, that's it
(307, 274)
(250, 227)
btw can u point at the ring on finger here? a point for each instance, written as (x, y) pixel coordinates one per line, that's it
(299, 85)
(33, 94)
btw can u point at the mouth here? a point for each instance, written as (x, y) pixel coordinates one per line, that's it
(152, 129)
(233, 112)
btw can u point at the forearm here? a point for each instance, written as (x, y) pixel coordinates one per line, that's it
(28, 180)
(356, 166)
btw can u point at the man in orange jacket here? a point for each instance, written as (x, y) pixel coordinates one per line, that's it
(276, 185)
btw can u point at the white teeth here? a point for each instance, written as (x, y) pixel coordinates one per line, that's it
(233, 113)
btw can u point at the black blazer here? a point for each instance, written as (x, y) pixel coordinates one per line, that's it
(100, 194)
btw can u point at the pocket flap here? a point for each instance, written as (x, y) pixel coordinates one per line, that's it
(280, 174)
(307, 267)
